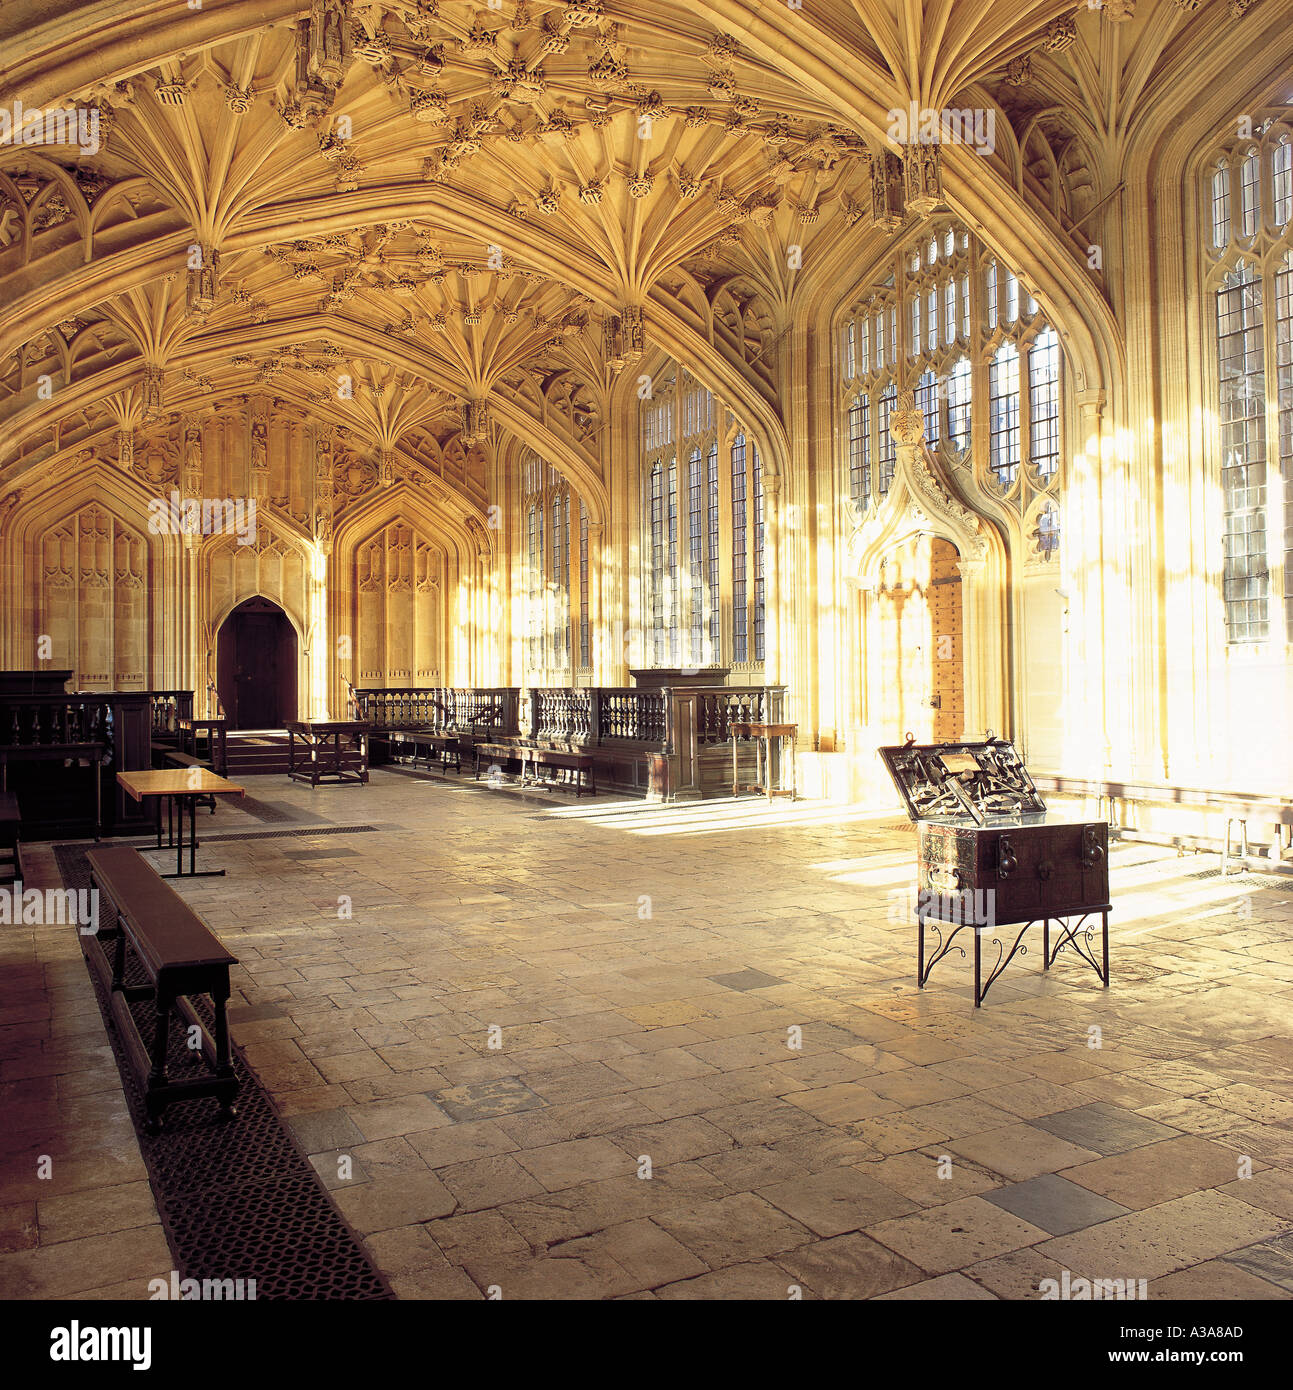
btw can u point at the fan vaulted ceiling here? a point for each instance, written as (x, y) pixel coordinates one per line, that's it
(423, 220)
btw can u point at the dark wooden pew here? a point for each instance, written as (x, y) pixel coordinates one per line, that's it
(10, 838)
(563, 760)
(181, 957)
(532, 756)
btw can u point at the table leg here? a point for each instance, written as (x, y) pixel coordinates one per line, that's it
(193, 870)
(768, 754)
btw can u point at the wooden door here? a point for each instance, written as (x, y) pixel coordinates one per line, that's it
(947, 676)
(256, 666)
(919, 685)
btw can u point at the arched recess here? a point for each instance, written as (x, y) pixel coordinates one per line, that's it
(151, 658)
(276, 565)
(921, 504)
(463, 571)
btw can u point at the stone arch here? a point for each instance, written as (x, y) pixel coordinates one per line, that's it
(921, 502)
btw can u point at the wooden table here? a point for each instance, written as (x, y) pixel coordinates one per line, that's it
(328, 759)
(763, 734)
(181, 785)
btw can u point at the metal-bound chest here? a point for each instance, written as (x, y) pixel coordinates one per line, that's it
(991, 855)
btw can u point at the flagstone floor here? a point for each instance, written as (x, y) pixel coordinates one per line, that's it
(601, 1049)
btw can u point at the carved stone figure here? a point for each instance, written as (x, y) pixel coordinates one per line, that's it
(923, 181)
(907, 420)
(259, 458)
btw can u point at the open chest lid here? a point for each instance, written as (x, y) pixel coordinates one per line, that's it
(963, 783)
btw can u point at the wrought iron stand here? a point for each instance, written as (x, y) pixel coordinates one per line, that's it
(1076, 931)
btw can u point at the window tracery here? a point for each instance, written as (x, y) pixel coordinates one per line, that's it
(702, 500)
(1247, 195)
(954, 325)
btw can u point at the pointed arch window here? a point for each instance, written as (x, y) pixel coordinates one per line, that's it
(1004, 360)
(740, 527)
(1251, 281)
(888, 453)
(958, 404)
(1242, 414)
(1250, 183)
(1003, 413)
(702, 529)
(757, 614)
(696, 557)
(927, 402)
(1284, 407)
(713, 580)
(1044, 402)
(585, 631)
(549, 599)
(860, 450)
(1282, 182)
(1221, 206)
(657, 552)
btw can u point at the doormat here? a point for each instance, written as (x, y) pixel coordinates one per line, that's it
(238, 1199)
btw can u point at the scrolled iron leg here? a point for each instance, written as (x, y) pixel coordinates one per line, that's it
(978, 967)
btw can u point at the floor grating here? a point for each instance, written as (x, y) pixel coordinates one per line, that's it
(1275, 881)
(238, 1199)
(304, 831)
(264, 810)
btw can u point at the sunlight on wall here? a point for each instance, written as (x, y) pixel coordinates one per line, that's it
(317, 634)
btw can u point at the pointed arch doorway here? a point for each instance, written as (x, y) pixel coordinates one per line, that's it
(919, 632)
(256, 665)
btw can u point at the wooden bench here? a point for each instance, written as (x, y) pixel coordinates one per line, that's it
(532, 755)
(442, 748)
(181, 957)
(497, 753)
(1239, 808)
(581, 764)
(10, 838)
